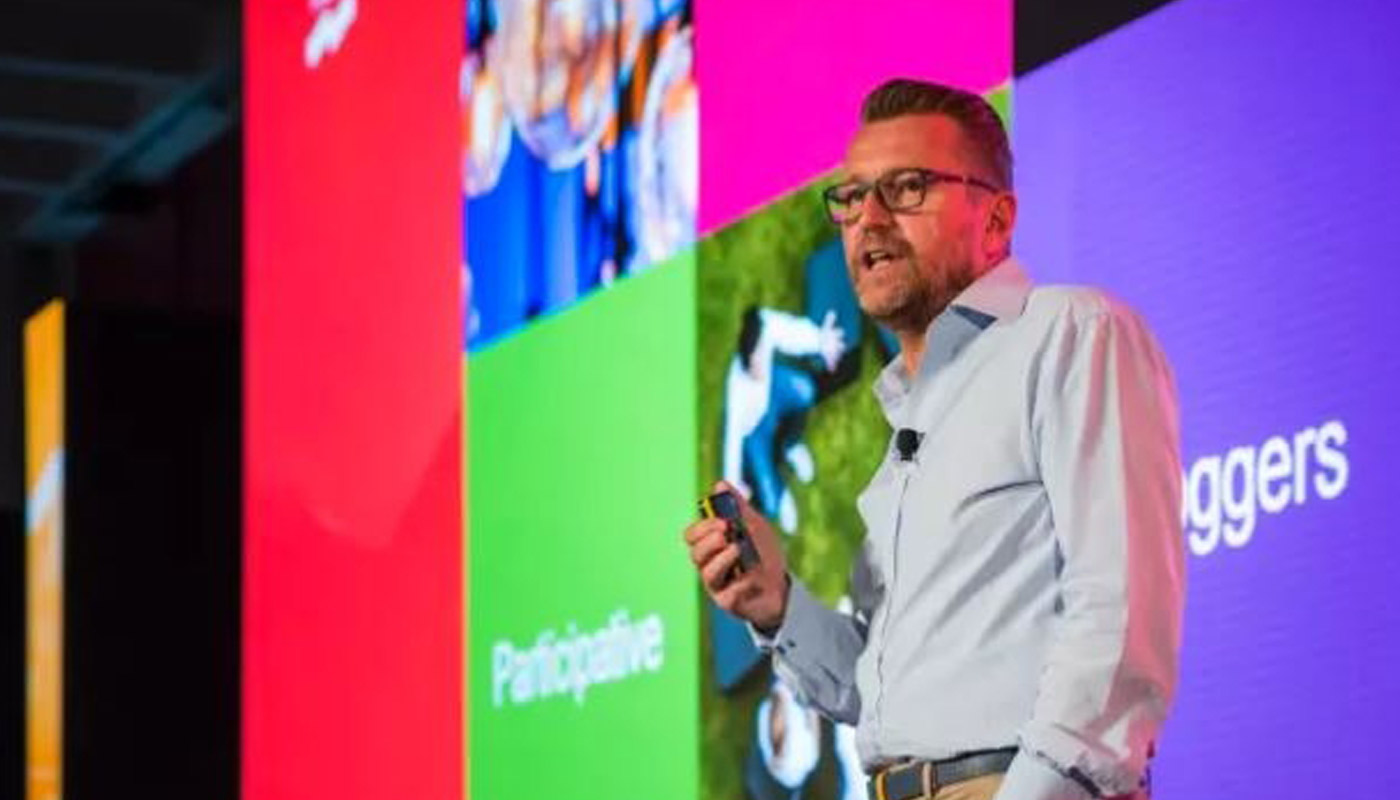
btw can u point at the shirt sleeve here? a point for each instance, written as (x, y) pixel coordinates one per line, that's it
(816, 647)
(1031, 777)
(1107, 432)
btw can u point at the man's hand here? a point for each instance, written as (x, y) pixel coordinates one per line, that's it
(759, 595)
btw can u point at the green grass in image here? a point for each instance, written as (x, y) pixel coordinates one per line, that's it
(760, 261)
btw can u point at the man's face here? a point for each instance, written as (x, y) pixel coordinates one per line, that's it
(907, 266)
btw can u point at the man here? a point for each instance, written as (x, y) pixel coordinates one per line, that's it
(1018, 595)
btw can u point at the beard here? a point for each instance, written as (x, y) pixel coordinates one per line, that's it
(907, 292)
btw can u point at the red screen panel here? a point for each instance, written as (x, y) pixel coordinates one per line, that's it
(353, 372)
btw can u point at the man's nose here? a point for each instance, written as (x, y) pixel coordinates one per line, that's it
(873, 212)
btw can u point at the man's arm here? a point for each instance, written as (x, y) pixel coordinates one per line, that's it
(1107, 432)
(815, 649)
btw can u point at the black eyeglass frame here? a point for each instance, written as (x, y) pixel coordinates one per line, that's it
(885, 186)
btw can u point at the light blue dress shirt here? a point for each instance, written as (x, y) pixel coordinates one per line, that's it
(1022, 577)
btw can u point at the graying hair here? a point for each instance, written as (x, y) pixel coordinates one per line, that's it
(980, 123)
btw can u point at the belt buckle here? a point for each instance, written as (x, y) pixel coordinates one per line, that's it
(930, 776)
(928, 781)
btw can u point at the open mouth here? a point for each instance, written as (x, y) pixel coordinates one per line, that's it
(873, 258)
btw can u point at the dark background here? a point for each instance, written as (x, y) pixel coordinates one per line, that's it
(120, 193)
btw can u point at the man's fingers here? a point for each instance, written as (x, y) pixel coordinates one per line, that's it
(769, 548)
(702, 528)
(715, 572)
(705, 549)
(743, 588)
(752, 519)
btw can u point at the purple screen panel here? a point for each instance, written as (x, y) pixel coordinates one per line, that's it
(1231, 168)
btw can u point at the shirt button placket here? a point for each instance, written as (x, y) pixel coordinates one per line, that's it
(891, 596)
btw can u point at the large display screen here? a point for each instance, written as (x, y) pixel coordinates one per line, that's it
(583, 606)
(782, 83)
(1226, 169)
(43, 512)
(650, 304)
(581, 124)
(352, 673)
(579, 174)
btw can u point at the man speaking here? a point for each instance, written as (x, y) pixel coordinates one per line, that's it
(1018, 594)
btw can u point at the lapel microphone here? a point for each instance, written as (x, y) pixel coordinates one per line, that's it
(906, 441)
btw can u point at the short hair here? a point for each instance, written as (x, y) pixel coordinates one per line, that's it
(980, 123)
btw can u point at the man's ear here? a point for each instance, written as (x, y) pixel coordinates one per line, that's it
(1001, 221)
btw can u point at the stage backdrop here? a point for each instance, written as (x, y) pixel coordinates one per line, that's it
(580, 124)
(579, 182)
(1228, 168)
(352, 673)
(1223, 167)
(583, 609)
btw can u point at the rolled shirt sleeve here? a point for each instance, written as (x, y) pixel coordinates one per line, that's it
(1032, 777)
(816, 647)
(1105, 420)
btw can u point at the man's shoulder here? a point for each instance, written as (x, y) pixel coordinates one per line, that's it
(1059, 303)
(1065, 319)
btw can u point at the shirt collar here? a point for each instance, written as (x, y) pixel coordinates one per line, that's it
(1000, 294)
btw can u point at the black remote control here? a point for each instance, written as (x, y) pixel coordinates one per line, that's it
(726, 506)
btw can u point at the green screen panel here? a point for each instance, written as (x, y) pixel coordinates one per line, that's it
(583, 661)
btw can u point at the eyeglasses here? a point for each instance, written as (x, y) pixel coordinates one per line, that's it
(898, 190)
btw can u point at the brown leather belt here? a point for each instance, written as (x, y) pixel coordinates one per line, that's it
(909, 780)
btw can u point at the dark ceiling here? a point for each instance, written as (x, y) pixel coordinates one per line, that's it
(100, 98)
(1048, 29)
